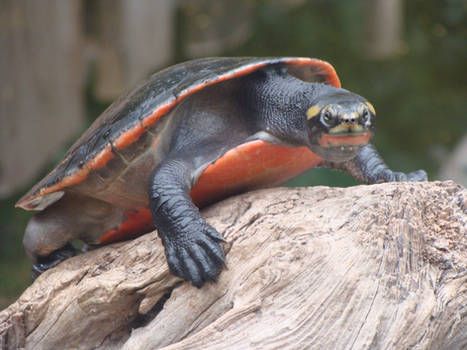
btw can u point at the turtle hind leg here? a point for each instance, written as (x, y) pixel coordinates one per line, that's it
(48, 234)
(47, 262)
(46, 242)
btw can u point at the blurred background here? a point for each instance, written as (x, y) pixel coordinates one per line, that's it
(63, 61)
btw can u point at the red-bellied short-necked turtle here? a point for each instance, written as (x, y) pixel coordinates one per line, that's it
(192, 134)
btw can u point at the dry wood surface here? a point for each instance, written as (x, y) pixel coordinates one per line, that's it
(367, 267)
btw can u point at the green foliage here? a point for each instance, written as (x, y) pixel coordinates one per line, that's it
(14, 267)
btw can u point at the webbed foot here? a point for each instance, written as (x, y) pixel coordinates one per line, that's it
(47, 262)
(396, 176)
(197, 255)
(369, 167)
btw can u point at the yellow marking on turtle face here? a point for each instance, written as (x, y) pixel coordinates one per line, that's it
(345, 128)
(341, 128)
(312, 112)
(356, 128)
(370, 107)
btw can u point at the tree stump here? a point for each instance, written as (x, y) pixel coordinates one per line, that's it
(367, 267)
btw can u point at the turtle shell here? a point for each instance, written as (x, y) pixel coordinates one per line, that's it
(136, 114)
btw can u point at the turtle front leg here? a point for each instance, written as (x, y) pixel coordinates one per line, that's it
(192, 246)
(369, 167)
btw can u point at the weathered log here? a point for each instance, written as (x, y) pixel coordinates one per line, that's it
(367, 267)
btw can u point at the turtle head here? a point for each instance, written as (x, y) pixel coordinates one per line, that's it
(339, 124)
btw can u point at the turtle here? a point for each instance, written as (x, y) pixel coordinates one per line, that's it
(191, 135)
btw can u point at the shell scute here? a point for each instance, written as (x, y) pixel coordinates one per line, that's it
(126, 120)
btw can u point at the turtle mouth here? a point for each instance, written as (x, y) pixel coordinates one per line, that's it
(341, 147)
(344, 139)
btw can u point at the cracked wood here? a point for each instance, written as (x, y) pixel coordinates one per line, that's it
(367, 267)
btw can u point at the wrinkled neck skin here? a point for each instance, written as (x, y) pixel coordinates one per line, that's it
(279, 102)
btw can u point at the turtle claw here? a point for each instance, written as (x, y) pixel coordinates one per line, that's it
(195, 257)
(212, 233)
(418, 175)
(397, 176)
(53, 259)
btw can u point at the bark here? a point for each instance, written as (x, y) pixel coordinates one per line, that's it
(367, 267)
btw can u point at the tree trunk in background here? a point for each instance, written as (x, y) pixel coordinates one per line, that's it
(367, 267)
(213, 27)
(454, 164)
(383, 28)
(40, 85)
(134, 38)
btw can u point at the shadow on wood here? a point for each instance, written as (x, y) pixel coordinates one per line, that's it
(367, 267)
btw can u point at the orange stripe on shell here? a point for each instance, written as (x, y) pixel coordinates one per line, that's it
(131, 135)
(137, 222)
(254, 164)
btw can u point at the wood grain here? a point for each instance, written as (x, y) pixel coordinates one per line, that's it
(367, 267)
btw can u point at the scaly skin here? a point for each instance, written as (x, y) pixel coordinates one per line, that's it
(268, 105)
(369, 167)
(275, 103)
(191, 244)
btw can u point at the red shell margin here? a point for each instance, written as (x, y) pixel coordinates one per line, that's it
(130, 136)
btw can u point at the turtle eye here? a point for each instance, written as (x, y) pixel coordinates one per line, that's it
(327, 118)
(365, 116)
